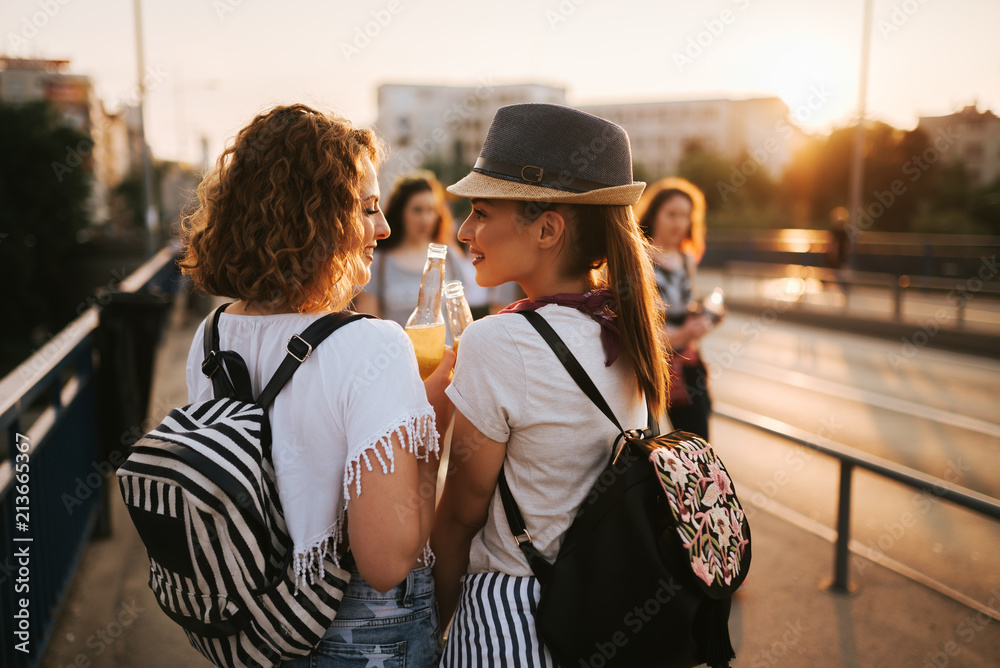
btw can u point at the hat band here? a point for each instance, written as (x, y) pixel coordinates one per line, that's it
(536, 176)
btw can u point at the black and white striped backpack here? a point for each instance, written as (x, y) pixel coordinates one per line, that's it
(200, 489)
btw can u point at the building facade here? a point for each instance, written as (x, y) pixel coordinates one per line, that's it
(444, 123)
(661, 132)
(448, 124)
(971, 137)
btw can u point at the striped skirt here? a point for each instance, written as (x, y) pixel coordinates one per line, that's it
(494, 624)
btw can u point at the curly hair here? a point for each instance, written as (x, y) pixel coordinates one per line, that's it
(406, 186)
(278, 222)
(658, 194)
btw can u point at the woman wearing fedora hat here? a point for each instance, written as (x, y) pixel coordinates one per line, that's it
(551, 196)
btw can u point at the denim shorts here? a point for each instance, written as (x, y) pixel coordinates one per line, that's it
(395, 629)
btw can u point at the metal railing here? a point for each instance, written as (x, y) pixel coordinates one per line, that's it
(896, 253)
(898, 286)
(52, 482)
(851, 458)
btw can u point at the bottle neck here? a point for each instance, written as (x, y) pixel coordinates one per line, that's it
(431, 286)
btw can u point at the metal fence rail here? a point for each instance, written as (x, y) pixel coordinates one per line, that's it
(851, 458)
(52, 476)
(898, 286)
(896, 253)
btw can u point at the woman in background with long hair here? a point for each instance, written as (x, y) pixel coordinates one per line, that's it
(672, 216)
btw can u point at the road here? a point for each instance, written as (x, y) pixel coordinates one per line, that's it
(933, 411)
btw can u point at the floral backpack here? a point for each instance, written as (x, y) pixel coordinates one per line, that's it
(646, 572)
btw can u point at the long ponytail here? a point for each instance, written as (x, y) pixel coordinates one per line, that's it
(629, 277)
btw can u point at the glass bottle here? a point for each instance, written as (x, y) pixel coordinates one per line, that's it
(459, 313)
(425, 325)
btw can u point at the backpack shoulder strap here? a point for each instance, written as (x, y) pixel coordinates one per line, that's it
(300, 346)
(538, 564)
(578, 373)
(234, 381)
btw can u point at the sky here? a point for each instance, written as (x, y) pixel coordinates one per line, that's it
(211, 65)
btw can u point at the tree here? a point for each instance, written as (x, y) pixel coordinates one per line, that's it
(894, 175)
(44, 187)
(737, 194)
(706, 170)
(984, 205)
(451, 170)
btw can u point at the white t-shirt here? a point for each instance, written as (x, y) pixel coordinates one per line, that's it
(512, 388)
(336, 414)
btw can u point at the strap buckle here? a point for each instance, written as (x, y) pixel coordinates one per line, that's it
(301, 357)
(524, 537)
(534, 174)
(210, 364)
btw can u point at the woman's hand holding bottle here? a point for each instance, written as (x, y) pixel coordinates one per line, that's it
(435, 385)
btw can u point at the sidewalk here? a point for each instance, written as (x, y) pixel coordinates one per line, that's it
(781, 617)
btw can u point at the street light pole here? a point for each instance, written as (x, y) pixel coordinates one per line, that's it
(149, 206)
(858, 157)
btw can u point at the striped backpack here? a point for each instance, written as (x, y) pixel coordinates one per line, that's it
(200, 489)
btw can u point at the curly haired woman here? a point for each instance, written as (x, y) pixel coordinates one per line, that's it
(287, 226)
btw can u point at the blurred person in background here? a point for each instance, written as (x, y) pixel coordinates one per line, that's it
(671, 214)
(839, 246)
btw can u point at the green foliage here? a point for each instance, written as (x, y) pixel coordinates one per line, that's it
(130, 192)
(706, 170)
(448, 170)
(642, 173)
(984, 205)
(737, 195)
(898, 180)
(44, 187)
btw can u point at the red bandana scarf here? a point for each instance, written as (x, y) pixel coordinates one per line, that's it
(598, 304)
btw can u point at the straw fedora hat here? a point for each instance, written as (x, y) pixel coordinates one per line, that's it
(551, 153)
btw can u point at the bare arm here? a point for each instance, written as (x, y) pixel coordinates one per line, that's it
(387, 524)
(390, 521)
(473, 469)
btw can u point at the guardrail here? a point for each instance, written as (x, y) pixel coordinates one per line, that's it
(957, 293)
(52, 482)
(851, 458)
(896, 253)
